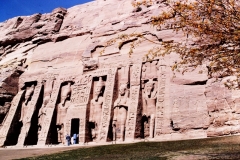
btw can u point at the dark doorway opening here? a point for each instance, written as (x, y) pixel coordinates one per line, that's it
(75, 127)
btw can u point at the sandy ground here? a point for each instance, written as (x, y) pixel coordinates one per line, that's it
(16, 153)
(10, 153)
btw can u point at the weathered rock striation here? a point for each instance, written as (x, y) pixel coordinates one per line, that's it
(55, 80)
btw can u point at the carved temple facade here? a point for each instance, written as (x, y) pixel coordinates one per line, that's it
(124, 101)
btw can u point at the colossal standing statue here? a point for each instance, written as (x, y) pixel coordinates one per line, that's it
(48, 86)
(149, 95)
(149, 105)
(24, 109)
(96, 108)
(62, 110)
(120, 111)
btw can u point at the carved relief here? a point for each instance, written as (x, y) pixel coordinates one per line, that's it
(107, 104)
(48, 87)
(149, 70)
(163, 117)
(28, 94)
(149, 97)
(159, 128)
(6, 125)
(49, 113)
(28, 108)
(78, 108)
(133, 102)
(81, 90)
(120, 111)
(96, 107)
(149, 105)
(121, 105)
(62, 108)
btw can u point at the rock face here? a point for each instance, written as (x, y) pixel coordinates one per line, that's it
(58, 81)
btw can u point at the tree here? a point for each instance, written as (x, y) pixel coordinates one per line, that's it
(212, 29)
(215, 24)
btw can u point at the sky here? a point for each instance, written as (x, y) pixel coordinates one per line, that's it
(13, 8)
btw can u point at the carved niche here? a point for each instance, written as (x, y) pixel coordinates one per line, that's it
(48, 87)
(121, 105)
(62, 107)
(96, 107)
(32, 93)
(149, 97)
(29, 89)
(50, 107)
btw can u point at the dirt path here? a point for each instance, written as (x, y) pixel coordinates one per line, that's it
(15, 153)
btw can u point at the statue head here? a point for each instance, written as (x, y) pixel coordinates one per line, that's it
(65, 92)
(149, 87)
(98, 88)
(29, 92)
(122, 89)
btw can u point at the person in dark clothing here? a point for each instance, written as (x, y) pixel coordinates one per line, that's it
(68, 138)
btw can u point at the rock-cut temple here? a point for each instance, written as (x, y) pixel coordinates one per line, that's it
(60, 75)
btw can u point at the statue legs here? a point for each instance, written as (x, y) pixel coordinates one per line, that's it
(122, 132)
(151, 128)
(95, 132)
(148, 125)
(61, 134)
(114, 130)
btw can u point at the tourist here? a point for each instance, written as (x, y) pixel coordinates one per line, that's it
(74, 138)
(68, 138)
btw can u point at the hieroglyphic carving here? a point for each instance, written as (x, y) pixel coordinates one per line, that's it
(107, 104)
(81, 90)
(31, 106)
(49, 113)
(6, 125)
(79, 100)
(161, 122)
(133, 105)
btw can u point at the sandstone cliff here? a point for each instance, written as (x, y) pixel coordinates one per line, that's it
(68, 42)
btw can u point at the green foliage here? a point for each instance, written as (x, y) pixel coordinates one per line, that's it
(211, 29)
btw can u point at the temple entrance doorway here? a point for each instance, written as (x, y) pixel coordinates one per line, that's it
(75, 127)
